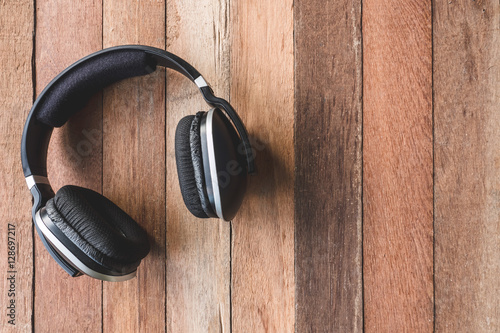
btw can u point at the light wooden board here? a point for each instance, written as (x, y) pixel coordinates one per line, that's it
(328, 205)
(134, 165)
(198, 251)
(59, 43)
(16, 97)
(467, 162)
(397, 166)
(262, 260)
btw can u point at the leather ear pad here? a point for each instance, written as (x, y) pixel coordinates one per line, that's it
(187, 162)
(72, 91)
(199, 171)
(98, 227)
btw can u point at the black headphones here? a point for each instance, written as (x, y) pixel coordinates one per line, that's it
(85, 232)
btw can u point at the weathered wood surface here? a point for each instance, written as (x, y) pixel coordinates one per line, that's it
(262, 91)
(198, 251)
(467, 165)
(134, 165)
(61, 302)
(341, 115)
(397, 166)
(328, 205)
(16, 97)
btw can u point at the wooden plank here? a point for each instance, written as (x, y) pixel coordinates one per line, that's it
(198, 251)
(71, 160)
(262, 91)
(16, 97)
(134, 165)
(397, 166)
(467, 159)
(328, 204)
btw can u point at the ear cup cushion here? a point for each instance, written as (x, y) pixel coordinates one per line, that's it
(98, 227)
(197, 157)
(185, 168)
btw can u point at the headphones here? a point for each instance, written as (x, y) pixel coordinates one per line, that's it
(84, 231)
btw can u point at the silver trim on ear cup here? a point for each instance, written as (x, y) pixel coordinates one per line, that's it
(212, 163)
(41, 218)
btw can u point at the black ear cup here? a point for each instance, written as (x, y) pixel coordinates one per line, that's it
(228, 172)
(103, 231)
(189, 162)
(198, 167)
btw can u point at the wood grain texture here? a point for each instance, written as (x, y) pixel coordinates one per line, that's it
(328, 205)
(467, 161)
(397, 166)
(16, 49)
(198, 251)
(134, 165)
(293, 258)
(262, 262)
(72, 159)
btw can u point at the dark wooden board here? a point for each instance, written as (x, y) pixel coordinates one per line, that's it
(328, 205)
(71, 160)
(397, 166)
(467, 162)
(134, 165)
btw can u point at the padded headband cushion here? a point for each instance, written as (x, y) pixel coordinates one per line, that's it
(71, 92)
(185, 168)
(98, 227)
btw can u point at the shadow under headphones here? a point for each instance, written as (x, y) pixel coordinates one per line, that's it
(87, 233)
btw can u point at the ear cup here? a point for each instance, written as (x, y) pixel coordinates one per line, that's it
(99, 228)
(190, 166)
(198, 167)
(230, 166)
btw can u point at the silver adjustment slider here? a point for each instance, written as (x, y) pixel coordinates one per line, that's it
(34, 179)
(200, 82)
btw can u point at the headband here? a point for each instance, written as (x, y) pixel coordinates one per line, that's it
(68, 92)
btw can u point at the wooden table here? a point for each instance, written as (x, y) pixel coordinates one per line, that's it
(377, 202)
